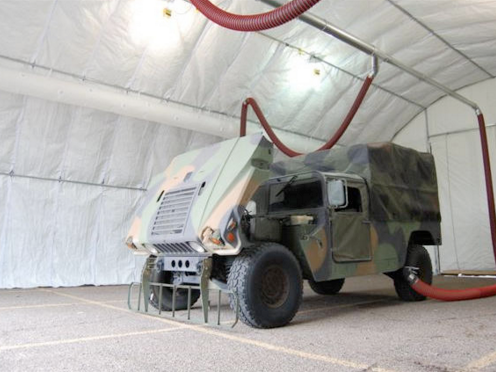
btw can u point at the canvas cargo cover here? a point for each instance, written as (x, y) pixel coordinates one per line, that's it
(402, 181)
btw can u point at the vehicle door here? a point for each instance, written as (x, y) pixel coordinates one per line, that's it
(349, 222)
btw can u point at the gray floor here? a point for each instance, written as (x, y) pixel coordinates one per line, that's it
(365, 328)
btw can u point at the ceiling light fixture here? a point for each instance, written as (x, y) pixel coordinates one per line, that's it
(154, 23)
(306, 72)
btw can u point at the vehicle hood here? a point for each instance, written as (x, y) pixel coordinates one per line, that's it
(203, 188)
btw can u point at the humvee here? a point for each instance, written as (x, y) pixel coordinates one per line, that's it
(228, 216)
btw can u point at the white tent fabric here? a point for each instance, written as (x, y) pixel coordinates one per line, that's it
(187, 59)
(71, 180)
(450, 131)
(70, 232)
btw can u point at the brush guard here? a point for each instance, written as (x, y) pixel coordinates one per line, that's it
(205, 287)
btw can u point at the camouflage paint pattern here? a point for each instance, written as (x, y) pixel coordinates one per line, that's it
(402, 199)
(389, 243)
(402, 182)
(223, 178)
(398, 189)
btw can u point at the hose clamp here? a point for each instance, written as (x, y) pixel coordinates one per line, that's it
(410, 273)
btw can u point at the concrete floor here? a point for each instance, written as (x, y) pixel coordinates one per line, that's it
(365, 328)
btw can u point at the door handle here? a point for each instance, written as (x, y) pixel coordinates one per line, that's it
(308, 237)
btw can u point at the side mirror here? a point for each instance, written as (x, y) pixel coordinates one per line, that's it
(336, 193)
(251, 207)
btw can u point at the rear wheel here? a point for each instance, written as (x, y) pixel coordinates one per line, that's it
(329, 287)
(417, 257)
(268, 282)
(181, 293)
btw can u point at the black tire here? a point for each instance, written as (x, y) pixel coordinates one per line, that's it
(269, 285)
(417, 257)
(181, 293)
(329, 287)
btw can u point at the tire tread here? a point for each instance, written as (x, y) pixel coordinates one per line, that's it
(239, 270)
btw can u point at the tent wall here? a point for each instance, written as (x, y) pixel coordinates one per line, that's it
(70, 181)
(449, 130)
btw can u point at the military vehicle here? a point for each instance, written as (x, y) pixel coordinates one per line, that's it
(226, 216)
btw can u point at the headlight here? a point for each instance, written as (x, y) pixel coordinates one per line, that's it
(197, 247)
(130, 244)
(151, 249)
(211, 238)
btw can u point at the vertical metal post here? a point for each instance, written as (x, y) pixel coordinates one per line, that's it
(146, 274)
(160, 300)
(218, 306)
(205, 304)
(189, 302)
(204, 291)
(139, 296)
(129, 295)
(174, 290)
(236, 300)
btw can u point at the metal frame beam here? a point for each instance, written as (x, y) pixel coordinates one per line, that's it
(439, 37)
(126, 102)
(324, 26)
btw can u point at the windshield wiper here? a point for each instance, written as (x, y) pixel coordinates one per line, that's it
(286, 186)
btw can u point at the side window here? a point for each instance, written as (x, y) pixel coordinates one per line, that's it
(299, 195)
(354, 201)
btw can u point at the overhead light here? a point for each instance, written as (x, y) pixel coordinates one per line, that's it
(306, 72)
(154, 23)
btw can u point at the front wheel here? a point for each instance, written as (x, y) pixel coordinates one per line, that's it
(419, 258)
(268, 282)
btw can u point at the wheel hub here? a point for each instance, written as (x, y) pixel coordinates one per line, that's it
(274, 286)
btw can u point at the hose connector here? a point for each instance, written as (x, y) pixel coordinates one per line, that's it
(375, 66)
(410, 273)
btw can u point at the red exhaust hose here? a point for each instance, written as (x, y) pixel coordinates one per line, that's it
(264, 21)
(289, 152)
(254, 22)
(469, 293)
(452, 294)
(488, 179)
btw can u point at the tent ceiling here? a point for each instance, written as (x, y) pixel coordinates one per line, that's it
(189, 60)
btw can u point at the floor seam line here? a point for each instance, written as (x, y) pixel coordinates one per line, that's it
(85, 339)
(481, 363)
(262, 345)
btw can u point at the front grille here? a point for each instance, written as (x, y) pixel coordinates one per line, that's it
(175, 248)
(173, 212)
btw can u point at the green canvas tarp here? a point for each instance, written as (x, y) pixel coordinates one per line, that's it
(402, 182)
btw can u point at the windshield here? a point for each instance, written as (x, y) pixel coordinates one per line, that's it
(297, 194)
